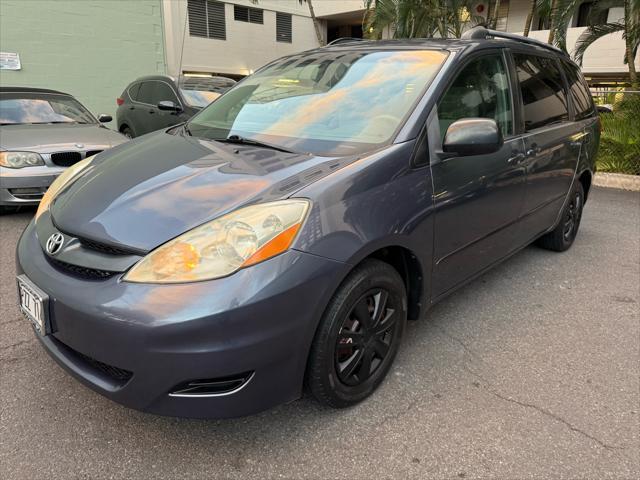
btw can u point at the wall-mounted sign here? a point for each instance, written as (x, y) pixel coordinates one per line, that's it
(9, 61)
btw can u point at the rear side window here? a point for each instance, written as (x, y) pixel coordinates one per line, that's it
(133, 91)
(153, 92)
(481, 89)
(579, 92)
(543, 92)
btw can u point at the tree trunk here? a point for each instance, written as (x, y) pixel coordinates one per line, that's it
(494, 20)
(628, 26)
(527, 22)
(316, 23)
(552, 21)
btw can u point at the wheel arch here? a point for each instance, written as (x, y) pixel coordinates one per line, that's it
(585, 178)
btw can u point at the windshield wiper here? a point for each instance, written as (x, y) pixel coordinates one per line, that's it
(237, 139)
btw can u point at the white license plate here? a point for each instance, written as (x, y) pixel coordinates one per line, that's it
(33, 303)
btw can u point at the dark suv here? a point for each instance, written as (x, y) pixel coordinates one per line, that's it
(155, 102)
(284, 235)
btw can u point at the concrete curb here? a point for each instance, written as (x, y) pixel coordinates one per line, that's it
(617, 180)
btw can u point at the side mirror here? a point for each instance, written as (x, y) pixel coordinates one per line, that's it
(169, 106)
(472, 136)
(104, 118)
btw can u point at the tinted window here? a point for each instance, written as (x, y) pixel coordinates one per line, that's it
(480, 90)
(580, 94)
(543, 93)
(153, 92)
(133, 91)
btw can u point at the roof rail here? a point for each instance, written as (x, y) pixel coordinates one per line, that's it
(340, 40)
(480, 32)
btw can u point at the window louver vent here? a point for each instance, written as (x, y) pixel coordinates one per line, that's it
(283, 27)
(206, 19)
(247, 14)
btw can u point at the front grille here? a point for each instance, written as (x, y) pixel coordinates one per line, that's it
(31, 193)
(119, 374)
(92, 152)
(101, 247)
(82, 272)
(66, 159)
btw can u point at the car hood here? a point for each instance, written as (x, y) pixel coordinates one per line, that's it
(152, 189)
(55, 138)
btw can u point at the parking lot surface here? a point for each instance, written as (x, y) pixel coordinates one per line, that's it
(530, 371)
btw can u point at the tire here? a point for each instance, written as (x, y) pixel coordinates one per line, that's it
(362, 325)
(127, 132)
(561, 238)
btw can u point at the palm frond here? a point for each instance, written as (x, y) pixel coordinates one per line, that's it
(590, 35)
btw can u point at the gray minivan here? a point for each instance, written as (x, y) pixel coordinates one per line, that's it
(282, 237)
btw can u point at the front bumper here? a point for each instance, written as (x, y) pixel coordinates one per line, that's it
(260, 320)
(25, 186)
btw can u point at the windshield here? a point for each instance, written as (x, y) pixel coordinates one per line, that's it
(38, 108)
(201, 92)
(327, 102)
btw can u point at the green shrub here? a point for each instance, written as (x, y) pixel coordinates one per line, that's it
(620, 141)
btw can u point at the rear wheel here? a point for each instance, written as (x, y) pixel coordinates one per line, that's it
(126, 131)
(358, 336)
(562, 237)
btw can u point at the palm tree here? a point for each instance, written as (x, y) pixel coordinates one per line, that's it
(527, 22)
(419, 18)
(316, 22)
(630, 28)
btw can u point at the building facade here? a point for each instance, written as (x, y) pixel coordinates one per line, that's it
(89, 48)
(236, 37)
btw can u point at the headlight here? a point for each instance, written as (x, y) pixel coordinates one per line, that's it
(59, 183)
(223, 246)
(20, 159)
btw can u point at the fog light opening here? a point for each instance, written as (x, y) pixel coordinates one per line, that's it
(213, 387)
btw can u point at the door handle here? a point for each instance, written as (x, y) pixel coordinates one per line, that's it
(516, 159)
(132, 108)
(532, 152)
(152, 111)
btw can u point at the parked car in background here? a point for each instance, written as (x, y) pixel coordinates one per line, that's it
(159, 101)
(42, 132)
(284, 235)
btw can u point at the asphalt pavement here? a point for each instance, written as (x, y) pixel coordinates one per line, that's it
(531, 371)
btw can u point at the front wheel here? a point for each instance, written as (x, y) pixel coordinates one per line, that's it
(358, 336)
(561, 238)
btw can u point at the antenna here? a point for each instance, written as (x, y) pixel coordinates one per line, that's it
(184, 34)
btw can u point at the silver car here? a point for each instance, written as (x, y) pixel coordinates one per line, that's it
(42, 132)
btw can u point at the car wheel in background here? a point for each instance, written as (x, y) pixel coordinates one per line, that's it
(562, 237)
(358, 336)
(127, 132)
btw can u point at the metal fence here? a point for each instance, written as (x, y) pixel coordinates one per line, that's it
(620, 140)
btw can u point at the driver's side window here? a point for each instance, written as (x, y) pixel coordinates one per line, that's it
(481, 90)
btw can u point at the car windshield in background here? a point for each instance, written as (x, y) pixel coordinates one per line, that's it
(201, 92)
(330, 103)
(25, 108)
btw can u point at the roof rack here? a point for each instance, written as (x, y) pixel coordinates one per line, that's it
(481, 33)
(340, 40)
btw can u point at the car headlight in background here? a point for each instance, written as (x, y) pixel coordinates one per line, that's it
(59, 183)
(20, 159)
(224, 245)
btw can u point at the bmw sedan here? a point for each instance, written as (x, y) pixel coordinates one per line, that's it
(281, 238)
(42, 132)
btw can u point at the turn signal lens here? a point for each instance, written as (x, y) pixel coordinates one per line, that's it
(223, 246)
(64, 179)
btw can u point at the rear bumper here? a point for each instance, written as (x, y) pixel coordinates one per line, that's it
(260, 320)
(25, 186)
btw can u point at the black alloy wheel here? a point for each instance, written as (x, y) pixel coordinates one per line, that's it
(562, 236)
(358, 336)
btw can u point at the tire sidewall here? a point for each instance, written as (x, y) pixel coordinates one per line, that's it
(374, 275)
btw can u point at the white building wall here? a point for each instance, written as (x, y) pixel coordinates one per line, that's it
(248, 46)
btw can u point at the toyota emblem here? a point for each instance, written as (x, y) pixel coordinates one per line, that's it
(54, 243)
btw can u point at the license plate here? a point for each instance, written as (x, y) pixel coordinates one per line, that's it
(33, 303)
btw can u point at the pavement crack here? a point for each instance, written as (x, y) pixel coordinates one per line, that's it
(16, 344)
(458, 341)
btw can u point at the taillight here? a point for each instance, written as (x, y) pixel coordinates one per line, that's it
(119, 101)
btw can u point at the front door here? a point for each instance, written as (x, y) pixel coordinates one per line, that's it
(477, 198)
